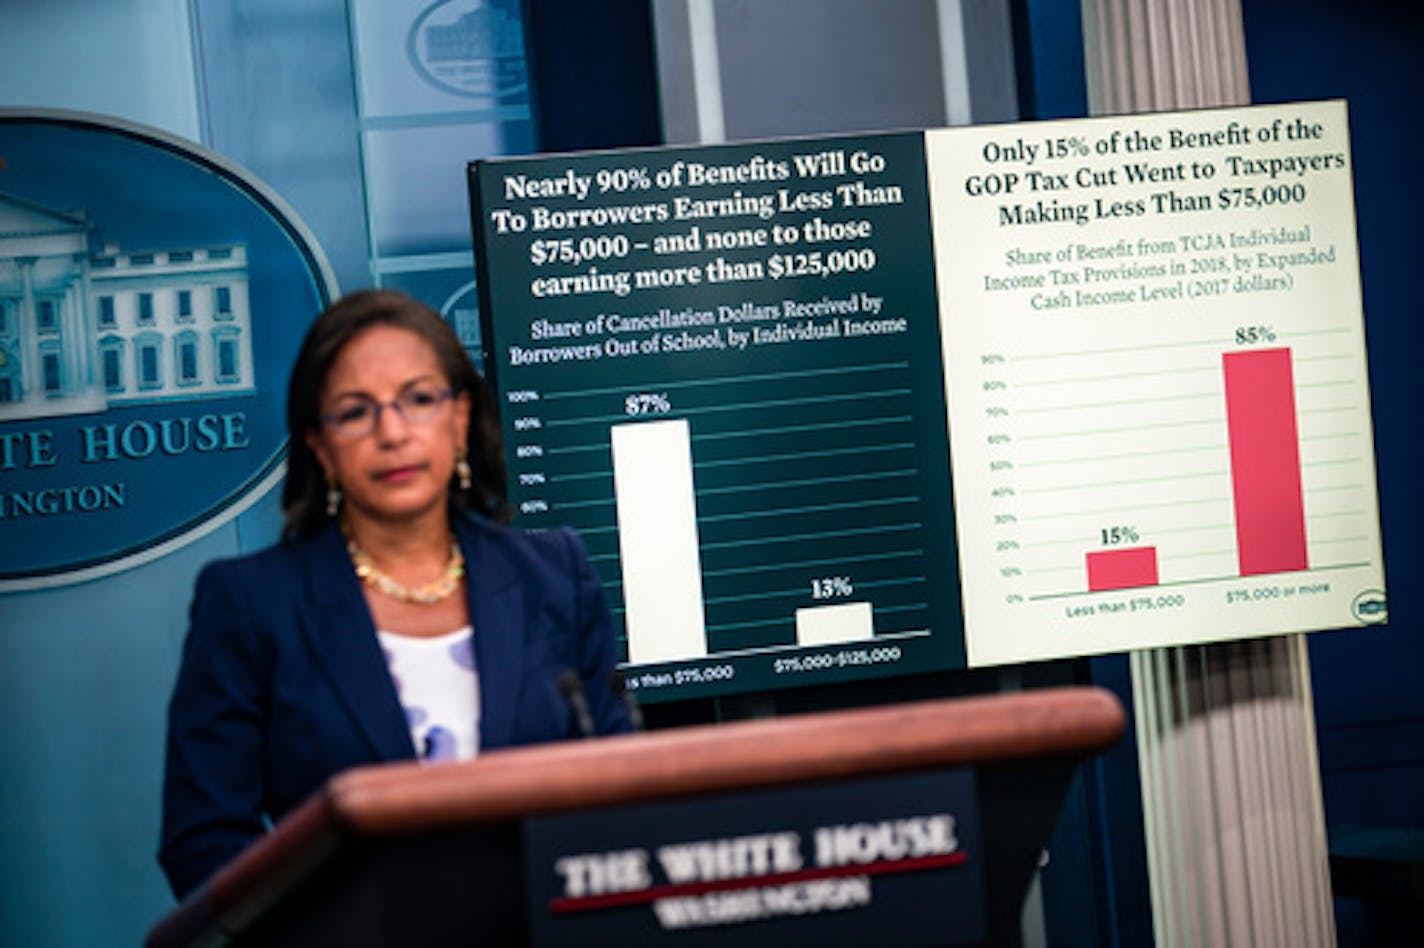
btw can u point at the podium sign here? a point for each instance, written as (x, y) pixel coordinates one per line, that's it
(840, 863)
(923, 822)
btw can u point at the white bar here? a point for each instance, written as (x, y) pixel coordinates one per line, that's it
(657, 541)
(828, 625)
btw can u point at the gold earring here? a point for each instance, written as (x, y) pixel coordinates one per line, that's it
(462, 469)
(333, 497)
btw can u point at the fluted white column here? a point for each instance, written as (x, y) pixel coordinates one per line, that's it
(1231, 795)
(73, 342)
(31, 372)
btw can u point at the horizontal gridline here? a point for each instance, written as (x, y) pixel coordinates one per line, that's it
(779, 567)
(604, 473)
(1303, 574)
(695, 411)
(788, 538)
(762, 485)
(1293, 338)
(769, 649)
(756, 432)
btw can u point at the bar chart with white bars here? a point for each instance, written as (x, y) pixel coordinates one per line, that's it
(748, 434)
(733, 521)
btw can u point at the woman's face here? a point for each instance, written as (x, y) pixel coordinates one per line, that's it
(391, 464)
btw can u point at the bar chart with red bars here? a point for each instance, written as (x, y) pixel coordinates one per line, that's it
(1159, 406)
(1147, 490)
(1266, 500)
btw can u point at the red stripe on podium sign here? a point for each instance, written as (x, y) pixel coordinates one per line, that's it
(590, 903)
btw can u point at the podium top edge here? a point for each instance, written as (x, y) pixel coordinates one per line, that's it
(626, 769)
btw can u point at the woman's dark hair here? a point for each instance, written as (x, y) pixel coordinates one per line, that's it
(304, 493)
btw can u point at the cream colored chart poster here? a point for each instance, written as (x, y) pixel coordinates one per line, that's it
(1159, 415)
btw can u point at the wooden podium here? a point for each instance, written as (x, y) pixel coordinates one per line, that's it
(411, 854)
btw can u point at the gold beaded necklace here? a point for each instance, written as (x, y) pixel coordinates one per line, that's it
(426, 595)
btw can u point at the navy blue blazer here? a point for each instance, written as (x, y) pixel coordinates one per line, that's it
(283, 684)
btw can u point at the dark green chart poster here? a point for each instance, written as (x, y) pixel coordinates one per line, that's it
(722, 366)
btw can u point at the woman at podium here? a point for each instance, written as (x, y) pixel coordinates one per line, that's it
(398, 617)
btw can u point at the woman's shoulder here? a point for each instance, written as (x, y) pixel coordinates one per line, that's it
(553, 546)
(270, 563)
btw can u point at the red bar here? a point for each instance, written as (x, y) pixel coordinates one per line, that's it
(1122, 569)
(1265, 461)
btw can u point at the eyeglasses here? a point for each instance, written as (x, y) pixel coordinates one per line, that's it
(356, 416)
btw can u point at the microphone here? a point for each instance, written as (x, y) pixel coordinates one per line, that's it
(572, 690)
(618, 684)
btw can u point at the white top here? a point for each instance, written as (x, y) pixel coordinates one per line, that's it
(439, 689)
